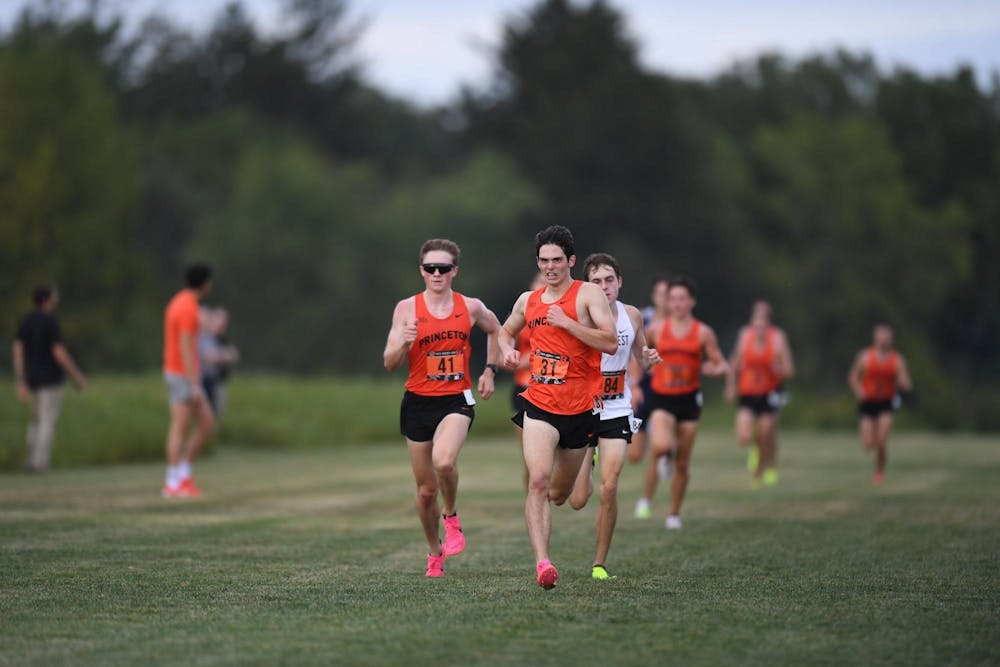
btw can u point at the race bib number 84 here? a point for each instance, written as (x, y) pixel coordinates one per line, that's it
(614, 385)
(446, 366)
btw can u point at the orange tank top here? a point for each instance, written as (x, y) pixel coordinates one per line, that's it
(757, 376)
(878, 380)
(565, 373)
(522, 376)
(680, 371)
(439, 357)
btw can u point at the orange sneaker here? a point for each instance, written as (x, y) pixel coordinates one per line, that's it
(435, 565)
(547, 574)
(188, 486)
(173, 491)
(454, 538)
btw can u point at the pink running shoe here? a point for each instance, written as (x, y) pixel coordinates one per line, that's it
(435, 565)
(547, 574)
(878, 478)
(454, 538)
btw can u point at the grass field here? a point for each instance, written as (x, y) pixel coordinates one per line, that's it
(315, 557)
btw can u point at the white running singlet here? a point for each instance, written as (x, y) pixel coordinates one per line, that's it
(615, 391)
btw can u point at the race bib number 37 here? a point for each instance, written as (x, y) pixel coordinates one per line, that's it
(446, 365)
(548, 368)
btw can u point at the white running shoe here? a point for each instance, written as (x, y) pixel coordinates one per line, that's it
(673, 522)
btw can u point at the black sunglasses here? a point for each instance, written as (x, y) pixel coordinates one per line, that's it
(442, 269)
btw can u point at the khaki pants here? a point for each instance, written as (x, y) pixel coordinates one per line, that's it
(45, 405)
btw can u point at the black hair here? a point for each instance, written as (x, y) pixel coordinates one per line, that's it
(599, 259)
(196, 275)
(42, 293)
(683, 281)
(555, 235)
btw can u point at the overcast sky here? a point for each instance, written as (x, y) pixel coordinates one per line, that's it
(425, 49)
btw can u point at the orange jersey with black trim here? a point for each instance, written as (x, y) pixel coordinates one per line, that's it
(439, 357)
(878, 376)
(522, 376)
(757, 375)
(180, 316)
(680, 370)
(565, 372)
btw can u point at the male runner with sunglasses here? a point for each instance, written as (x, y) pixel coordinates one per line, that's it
(430, 332)
(571, 325)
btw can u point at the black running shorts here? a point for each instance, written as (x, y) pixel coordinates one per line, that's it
(684, 407)
(419, 416)
(763, 404)
(575, 431)
(875, 409)
(616, 428)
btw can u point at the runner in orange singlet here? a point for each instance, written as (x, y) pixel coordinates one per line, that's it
(675, 406)
(877, 376)
(430, 332)
(761, 361)
(571, 325)
(657, 311)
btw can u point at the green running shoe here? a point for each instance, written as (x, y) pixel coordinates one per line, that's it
(643, 509)
(600, 573)
(753, 458)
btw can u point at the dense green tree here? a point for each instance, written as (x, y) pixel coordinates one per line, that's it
(846, 246)
(621, 156)
(68, 200)
(947, 133)
(312, 254)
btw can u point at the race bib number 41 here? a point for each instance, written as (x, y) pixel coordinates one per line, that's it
(446, 366)
(548, 368)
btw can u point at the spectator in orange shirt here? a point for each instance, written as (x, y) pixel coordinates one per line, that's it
(182, 373)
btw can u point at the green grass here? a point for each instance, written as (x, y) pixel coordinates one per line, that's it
(315, 556)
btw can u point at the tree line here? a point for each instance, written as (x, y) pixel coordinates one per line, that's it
(843, 193)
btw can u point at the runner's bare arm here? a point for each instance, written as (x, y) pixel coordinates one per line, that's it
(716, 364)
(487, 321)
(645, 356)
(903, 376)
(402, 333)
(854, 375)
(590, 300)
(507, 335)
(735, 358)
(786, 368)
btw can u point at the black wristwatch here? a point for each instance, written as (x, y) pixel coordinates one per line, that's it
(492, 367)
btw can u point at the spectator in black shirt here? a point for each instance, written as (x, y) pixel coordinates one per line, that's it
(41, 363)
